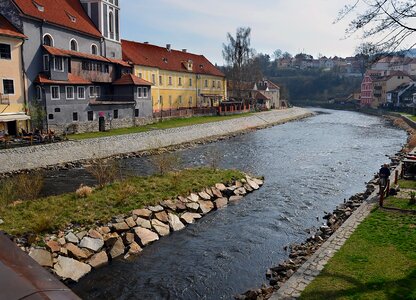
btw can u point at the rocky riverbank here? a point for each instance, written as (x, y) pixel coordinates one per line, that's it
(73, 152)
(74, 252)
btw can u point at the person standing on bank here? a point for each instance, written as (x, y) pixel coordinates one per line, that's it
(384, 174)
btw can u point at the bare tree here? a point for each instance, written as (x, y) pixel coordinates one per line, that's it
(366, 53)
(237, 54)
(389, 22)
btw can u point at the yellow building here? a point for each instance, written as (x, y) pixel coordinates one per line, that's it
(181, 79)
(12, 94)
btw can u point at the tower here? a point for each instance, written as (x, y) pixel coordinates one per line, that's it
(105, 14)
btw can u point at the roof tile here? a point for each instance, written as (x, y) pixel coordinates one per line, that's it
(7, 29)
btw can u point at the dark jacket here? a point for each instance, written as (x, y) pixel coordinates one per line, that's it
(384, 172)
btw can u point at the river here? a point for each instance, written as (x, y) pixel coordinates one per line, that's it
(310, 166)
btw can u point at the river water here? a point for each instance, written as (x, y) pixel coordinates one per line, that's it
(310, 166)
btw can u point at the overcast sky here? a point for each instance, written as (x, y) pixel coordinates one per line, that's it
(201, 26)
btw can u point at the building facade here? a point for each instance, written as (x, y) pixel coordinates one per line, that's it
(13, 107)
(180, 79)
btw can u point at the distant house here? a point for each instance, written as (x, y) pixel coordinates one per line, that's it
(268, 90)
(403, 95)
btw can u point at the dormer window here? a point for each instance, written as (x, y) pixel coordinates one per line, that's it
(40, 7)
(71, 17)
(165, 60)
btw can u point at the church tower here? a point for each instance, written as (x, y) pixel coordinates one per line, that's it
(105, 14)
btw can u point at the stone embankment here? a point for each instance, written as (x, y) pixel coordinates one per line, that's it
(72, 253)
(42, 156)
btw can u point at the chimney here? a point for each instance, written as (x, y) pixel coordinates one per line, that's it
(146, 43)
(168, 47)
(184, 50)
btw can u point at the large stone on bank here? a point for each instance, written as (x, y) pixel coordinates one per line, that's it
(130, 221)
(145, 236)
(110, 238)
(190, 218)
(193, 197)
(161, 228)
(235, 198)
(143, 223)
(205, 206)
(204, 195)
(134, 248)
(71, 238)
(53, 246)
(68, 268)
(169, 204)
(156, 208)
(95, 234)
(142, 213)
(162, 216)
(253, 184)
(240, 191)
(117, 249)
(42, 257)
(92, 244)
(175, 223)
(216, 192)
(75, 251)
(248, 188)
(221, 202)
(194, 206)
(121, 226)
(98, 260)
(258, 181)
(221, 187)
(180, 205)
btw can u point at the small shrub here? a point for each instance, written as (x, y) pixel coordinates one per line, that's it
(83, 191)
(42, 223)
(126, 190)
(19, 188)
(165, 162)
(105, 171)
(412, 195)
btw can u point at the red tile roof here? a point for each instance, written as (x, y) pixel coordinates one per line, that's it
(120, 62)
(261, 96)
(59, 12)
(172, 60)
(72, 79)
(7, 29)
(130, 79)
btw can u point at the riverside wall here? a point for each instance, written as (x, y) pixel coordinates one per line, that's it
(41, 156)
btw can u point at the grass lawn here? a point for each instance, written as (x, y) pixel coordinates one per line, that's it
(171, 123)
(57, 212)
(378, 261)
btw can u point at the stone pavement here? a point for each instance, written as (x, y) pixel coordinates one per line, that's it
(294, 286)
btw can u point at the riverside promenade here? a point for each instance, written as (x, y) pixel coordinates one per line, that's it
(41, 156)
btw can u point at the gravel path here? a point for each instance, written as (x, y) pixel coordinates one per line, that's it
(53, 154)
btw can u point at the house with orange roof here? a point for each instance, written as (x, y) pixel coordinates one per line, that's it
(72, 61)
(271, 91)
(180, 79)
(13, 115)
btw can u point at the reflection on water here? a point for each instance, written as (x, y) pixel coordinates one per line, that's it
(310, 166)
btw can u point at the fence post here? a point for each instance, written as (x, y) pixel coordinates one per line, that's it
(381, 200)
(396, 176)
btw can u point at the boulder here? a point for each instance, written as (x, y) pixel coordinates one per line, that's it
(253, 184)
(221, 187)
(238, 184)
(189, 218)
(209, 192)
(180, 206)
(130, 222)
(194, 206)
(122, 226)
(175, 223)
(62, 241)
(98, 260)
(111, 238)
(235, 198)
(75, 251)
(183, 199)
(216, 192)
(204, 196)
(156, 208)
(193, 197)
(71, 238)
(221, 202)
(258, 181)
(161, 228)
(134, 248)
(92, 244)
(205, 206)
(129, 238)
(104, 230)
(162, 216)
(81, 234)
(145, 236)
(95, 234)
(42, 257)
(169, 204)
(248, 188)
(143, 223)
(53, 246)
(117, 249)
(240, 191)
(68, 268)
(142, 213)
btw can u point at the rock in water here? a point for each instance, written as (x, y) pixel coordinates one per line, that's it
(189, 218)
(98, 259)
(145, 235)
(221, 202)
(175, 223)
(161, 228)
(205, 206)
(117, 249)
(66, 267)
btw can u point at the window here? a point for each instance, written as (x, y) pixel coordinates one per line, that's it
(97, 91)
(219, 84)
(190, 81)
(139, 92)
(46, 62)
(180, 100)
(90, 115)
(160, 80)
(8, 87)
(92, 92)
(38, 93)
(111, 22)
(81, 92)
(170, 80)
(136, 113)
(213, 84)
(58, 64)
(57, 109)
(161, 100)
(140, 75)
(153, 78)
(73, 45)
(48, 40)
(145, 92)
(5, 51)
(69, 92)
(115, 114)
(55, 95)
(190, 101)
(180, 81)
(206, 83)
(74, 116)
(50, 116)
(94, 49)
(170, 101)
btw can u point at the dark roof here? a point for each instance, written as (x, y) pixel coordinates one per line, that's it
(264, 84)
(72, 79)
(130, 79)
(261, 96)
(66, 13)
(144, 54)
(7, 29)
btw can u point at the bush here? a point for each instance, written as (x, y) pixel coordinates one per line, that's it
(83, 191)
(22, 187)
(165, 162)
(105, 171)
